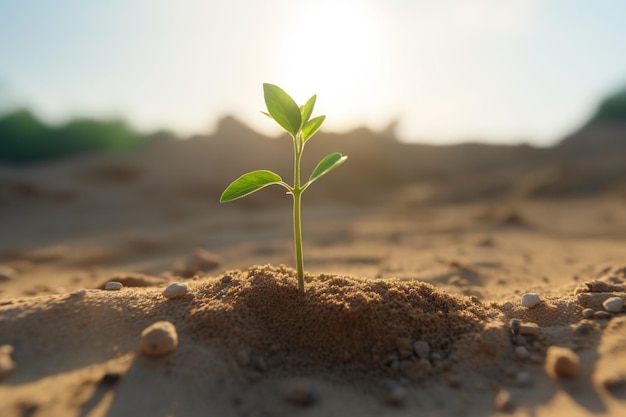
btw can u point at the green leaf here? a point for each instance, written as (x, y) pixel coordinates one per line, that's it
(249, 183)
(327, 164)
(307, 109)
(282, 108)
(311, 127)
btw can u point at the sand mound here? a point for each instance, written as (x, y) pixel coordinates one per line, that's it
(339, 320)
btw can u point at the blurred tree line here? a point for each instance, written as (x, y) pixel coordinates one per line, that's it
(612, 108)
(25, 139)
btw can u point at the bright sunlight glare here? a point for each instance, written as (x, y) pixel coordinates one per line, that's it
(334, 52)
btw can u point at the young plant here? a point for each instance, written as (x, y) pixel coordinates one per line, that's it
(296, 120)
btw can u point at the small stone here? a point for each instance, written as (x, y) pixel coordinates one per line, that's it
(159, 339)
(561, 362)
(421, 349)
(303, 393)
(515, 324)
(6, 362)
(523, 379)
(113, 286)
(405, 347)
(530, 300)
(613, 304)
(529, 329)
(395, 394)
(601, 314)
(175, 290)
(226, 279)
(521, 352)
(583, 328)
(588, 313)
(79, 293)
(503, 401)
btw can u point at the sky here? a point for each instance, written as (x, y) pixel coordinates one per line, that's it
(448, 71)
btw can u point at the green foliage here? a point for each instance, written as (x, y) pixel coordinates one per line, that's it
(25, 139)
(612, 109)
(296, 120)
(249, 183)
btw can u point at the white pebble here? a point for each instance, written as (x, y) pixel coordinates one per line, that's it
(113, 286)
(159, 339)
(175, 290)
(421, 348)
(613, 304)
(530, 300)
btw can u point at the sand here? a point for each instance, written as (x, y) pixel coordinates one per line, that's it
(381, 274)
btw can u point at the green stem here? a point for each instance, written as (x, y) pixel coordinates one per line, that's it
(297, 228)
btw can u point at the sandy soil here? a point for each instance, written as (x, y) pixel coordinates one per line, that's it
(382, 274)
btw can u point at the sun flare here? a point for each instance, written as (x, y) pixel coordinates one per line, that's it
(332, 51)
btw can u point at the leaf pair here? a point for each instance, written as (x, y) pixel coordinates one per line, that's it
(296, 120)
(255, 180)
(291, 117)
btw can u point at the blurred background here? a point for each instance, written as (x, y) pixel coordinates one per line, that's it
(447, 71)
(544, 82)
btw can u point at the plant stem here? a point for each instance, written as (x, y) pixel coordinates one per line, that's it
(297, 198)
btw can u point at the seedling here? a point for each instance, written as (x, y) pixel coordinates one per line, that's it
(296, 120)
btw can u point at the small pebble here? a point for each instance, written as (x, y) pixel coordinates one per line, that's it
(529, 329)
(583, 328)
(226, 279)
(159, 339)
(175, 290)
(588, 313)
(503, 401)
(613, 304)
(395, 394)
(561, 362)
(421, 349)
(113, 286)
(530, 300)
(303, 393)
(515, 326)
(523, 379)
(405, 347)
(601, 314)
(6, 362)
(521, 352)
